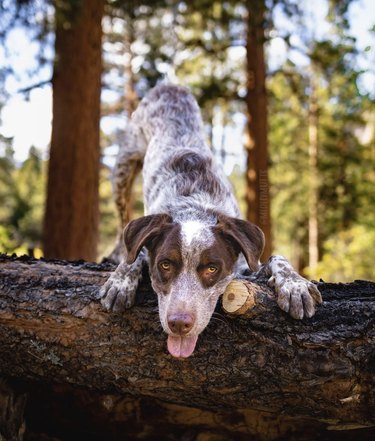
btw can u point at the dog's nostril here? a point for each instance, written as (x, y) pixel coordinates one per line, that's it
(180, 323)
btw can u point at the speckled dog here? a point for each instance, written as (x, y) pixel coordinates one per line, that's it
(192, 237)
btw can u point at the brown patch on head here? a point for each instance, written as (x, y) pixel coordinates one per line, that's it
(141, 232)
(217, 261)
(165, 258)
(244, 236)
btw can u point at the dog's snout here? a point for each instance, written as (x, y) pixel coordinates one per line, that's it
(180, 323)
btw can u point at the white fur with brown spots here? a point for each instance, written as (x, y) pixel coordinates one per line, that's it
(192, 237)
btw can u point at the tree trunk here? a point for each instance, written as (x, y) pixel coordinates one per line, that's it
(258, 195)
(72, 208)
(313, 181)
(130, 94)
(261, 374)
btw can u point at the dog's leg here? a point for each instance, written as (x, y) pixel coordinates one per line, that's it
(295, 294)
(119, 291)
(128, 165)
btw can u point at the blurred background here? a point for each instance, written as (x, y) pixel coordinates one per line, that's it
(286, 89)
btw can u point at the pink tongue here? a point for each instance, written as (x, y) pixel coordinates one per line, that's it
(181, 347)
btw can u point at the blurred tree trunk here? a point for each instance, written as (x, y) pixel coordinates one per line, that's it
(257, 196)
(130, 103)
(313, 181)
(72, 208)
(131, 97)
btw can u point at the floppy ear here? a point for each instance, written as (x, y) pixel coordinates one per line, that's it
(247, 237)
(139, 232)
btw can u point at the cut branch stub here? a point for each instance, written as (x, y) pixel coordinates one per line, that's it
(240, 296)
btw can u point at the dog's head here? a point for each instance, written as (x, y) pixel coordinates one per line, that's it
(191, 263)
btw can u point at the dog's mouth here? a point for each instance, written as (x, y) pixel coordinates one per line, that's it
(181, 346)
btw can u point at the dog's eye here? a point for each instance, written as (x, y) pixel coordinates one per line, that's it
(211, 269)
(165, 265)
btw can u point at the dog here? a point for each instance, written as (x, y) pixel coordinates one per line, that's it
(192, 236)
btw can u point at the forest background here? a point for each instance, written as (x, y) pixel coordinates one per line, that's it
(319, 152)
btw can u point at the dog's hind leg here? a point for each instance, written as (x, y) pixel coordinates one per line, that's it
(128, 164)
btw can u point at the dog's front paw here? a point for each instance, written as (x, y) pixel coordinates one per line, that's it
(296, 295)
(118, 294)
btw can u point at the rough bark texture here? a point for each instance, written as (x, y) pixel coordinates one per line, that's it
(12, 406)
(72, 211)
(258, 198)
(261, 374)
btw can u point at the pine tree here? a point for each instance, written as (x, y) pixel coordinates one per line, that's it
(22, 201)
(258, 197)
(326, 117)
(72, 210)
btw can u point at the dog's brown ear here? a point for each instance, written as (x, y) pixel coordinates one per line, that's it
(245, 236)
(139, 232)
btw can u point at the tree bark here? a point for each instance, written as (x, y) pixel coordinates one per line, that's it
(72, 208)
(130, 94)
(12, 406)
(263, 366)
(258, 195)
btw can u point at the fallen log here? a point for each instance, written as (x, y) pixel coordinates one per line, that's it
(258, 366)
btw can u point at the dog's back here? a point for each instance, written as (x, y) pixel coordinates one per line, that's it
(180, 176)
(192, 238)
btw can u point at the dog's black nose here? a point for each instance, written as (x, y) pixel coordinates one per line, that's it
(180, 323)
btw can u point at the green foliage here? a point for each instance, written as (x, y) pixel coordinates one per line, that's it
(211, 36)
(21, 201)
(7, 167)
(289, 157)
(201, 44)
(109, 220)
(345, 162)
(348, 255)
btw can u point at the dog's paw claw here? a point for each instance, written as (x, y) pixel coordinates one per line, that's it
(315, 293)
